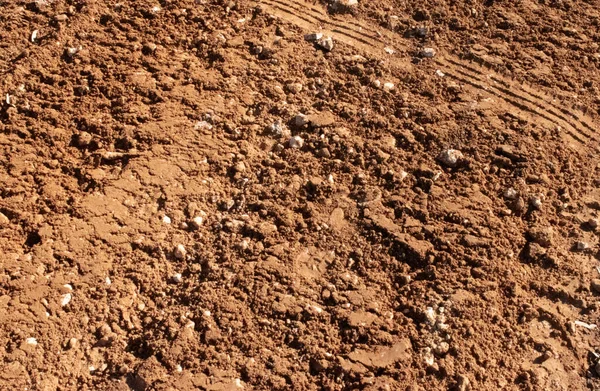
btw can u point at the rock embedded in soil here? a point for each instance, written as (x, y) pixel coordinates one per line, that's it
(197, 222)
(510, 194)
(300, 120)
(296, 142)
(463, 383)
(595, 285)
(4, 221)
(535, 202)
(450, 157)
(83, 139)
(325, 43)
(180, 252)
(427, 52)
(313, 37)
(581, 246)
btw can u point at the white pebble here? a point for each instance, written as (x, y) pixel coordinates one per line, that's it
(313, 37)
(326, 43)
(388, 86)
(440, 73)
(428, 52)
(72, 343)
(166, 219)
(68, 286)
(176, 278)
(296, 142)
(31, 341)
(581, 246)
(34, 35)
(511, 194)
(300, 120)
(206, 313)
(180, 252)
(535, 202)
(430, 315)
(178, 368)
(202, 125)
(65, 299)
(450, 157)
(197, 222)
(389, 50)
(108, 281)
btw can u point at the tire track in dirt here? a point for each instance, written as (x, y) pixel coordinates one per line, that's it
(367, 38)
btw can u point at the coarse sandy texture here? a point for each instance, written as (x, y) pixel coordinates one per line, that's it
(432, 226)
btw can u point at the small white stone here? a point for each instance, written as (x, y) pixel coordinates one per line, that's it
(535, 202)
(510, 194)
(176, 278)
(300, 120)
(108, 281)
(207, 313)
(190, 325)
(450, 157)
(330, 178)
(296, 142)
(31, 341)
(238, 383)
(389, 50)
(68, 286)
(403, 175)
(376, 83)
(166, 219)
(428, 356)
(313, 37)
(197, 222)
(72, 343)
(178, 368)
(427, 52)
(202, 125)
(581, 246)
(430, 315)
(155, 9)
(65, 299)
(326, 43)
(180, 252)
(440, 73)
(388, 86)
(34, 35)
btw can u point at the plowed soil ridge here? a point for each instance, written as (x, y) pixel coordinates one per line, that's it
(372, 41)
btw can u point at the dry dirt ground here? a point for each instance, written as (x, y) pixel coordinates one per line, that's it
(196, 196)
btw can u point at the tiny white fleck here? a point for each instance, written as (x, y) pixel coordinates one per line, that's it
(166, 219)
(31, 341)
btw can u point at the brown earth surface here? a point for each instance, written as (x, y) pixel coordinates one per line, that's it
(159, 229)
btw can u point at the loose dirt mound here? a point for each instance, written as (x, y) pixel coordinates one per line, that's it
(203, 195)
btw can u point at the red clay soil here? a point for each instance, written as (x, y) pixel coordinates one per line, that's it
(196, 196)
